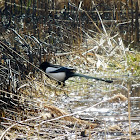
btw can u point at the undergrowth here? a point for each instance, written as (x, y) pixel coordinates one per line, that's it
(34, 106)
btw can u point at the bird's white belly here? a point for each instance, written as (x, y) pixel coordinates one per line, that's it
(57, 76)
(51, 69)
(60, 76)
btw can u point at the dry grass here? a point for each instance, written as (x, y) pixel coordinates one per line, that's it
(35, 107)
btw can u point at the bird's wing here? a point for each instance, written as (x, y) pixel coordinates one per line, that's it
(63, 69)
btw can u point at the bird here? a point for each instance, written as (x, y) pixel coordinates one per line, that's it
(61, 74)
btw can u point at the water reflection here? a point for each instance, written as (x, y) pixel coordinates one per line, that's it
(93, 102)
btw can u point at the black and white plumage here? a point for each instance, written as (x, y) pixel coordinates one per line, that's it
(61, 74)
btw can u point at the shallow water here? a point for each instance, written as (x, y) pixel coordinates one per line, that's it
(91, 102)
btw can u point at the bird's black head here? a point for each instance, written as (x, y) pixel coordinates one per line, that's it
(44, 65)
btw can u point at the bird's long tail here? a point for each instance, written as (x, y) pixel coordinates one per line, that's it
(90, 77)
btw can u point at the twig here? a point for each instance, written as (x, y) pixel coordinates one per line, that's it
(4, 133)
(129, 113)
(78, 112)
(21, 123)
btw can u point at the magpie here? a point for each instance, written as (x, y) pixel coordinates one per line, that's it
(61, 74)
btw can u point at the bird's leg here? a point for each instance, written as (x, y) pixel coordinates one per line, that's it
(61, 83)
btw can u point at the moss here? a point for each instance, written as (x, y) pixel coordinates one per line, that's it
(129, 64)
(133, 61)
